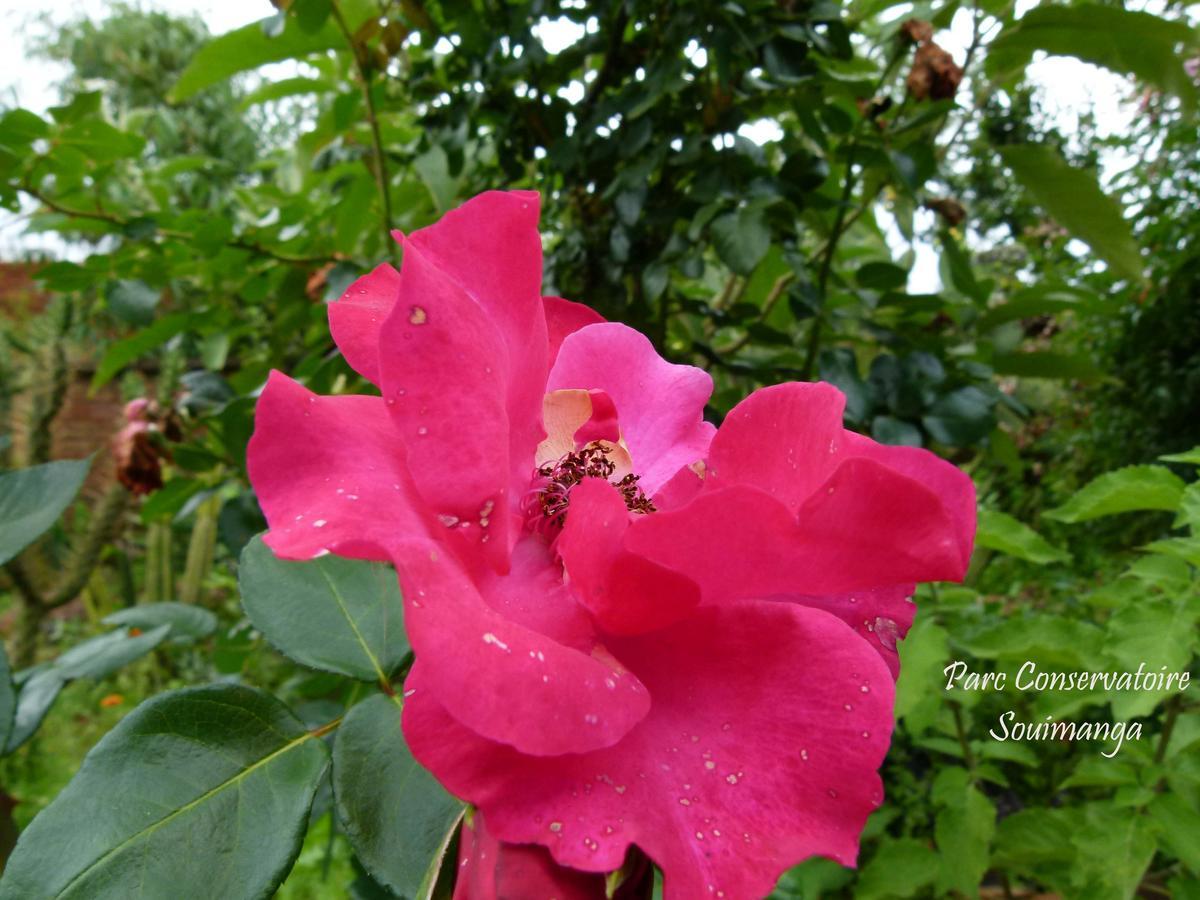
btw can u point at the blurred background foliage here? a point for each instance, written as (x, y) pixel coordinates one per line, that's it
(208, 215)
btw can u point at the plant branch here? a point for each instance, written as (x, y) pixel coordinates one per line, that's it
(841, 224)
(1173, 706)
(102, 216)
(777, 290)
(382, 181)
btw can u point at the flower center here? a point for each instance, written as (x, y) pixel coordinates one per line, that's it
(553, 496)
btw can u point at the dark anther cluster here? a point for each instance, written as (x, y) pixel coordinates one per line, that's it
(590, 462)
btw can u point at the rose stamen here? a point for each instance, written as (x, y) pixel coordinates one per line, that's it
(547, 503)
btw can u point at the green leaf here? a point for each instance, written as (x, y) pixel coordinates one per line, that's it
(1157, 633)
(248, 48)
(1046, 639)
(960, 418)
(286, 87)
(168, 500)
(1075, 200)
(1000, 531)
(341, 615)
(1041, 301)
(1046, 364)
(900, 868)
(32, 499)
(186, 623)
(103, 655)
(1115, 848)
(890, 430)
(924, 653)
(963, 829)
(1124, 490)
(741, 238)
(117, 356)
(839, 367)
(8, 700)
(132, 301)
(99, 141)
(398, 818)
(1036, 841)
(1191, 457)
(881, 276)
(1132, 43)
(200, 792)
(20, 127)
(1178, 825)
(39, 690)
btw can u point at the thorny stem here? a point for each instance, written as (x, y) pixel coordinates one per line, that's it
(382, 181)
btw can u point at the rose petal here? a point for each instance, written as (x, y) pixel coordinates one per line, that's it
(952, 485)
(754, 756)
(572, 419)
(788, 440)
(491, 247)
(782, 439)
(329, 474)
(659, 405)
(500, 678)
(356, 319)
(444, 384)
(463, 362)
(881, 616)
(564, 317)
(867, 527)
(626, 593)
(491, 870)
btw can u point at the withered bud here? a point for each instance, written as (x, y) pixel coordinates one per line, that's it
(948, 208)
(916, 31)
(934, 74)
(139, 447)
(315, 286)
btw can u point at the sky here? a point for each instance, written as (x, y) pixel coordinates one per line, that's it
(1069, 88)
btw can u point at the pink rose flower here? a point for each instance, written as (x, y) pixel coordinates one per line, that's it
(630, 627)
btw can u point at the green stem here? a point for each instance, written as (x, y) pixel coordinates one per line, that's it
(201, 546)
(1173, 707)
(840, 226)
(382, 181)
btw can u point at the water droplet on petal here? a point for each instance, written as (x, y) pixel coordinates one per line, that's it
(556, 827)
(320, 523)
(888, 632)
(417, 316)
